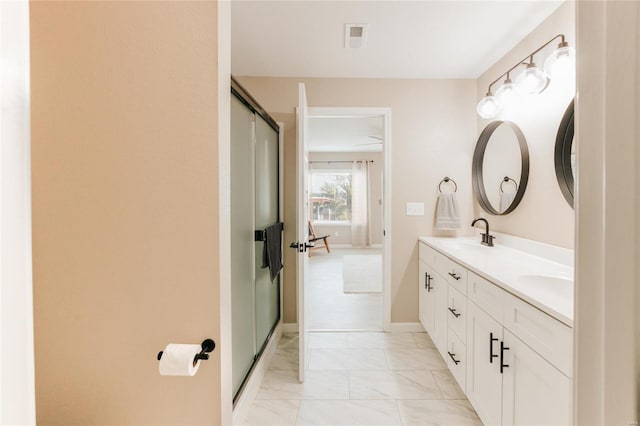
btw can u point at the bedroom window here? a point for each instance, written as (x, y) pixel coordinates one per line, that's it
(330, 196)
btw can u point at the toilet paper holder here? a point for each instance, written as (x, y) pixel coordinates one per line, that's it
(208, 345)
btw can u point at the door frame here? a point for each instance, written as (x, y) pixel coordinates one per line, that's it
(607, 275)
(17, 369)
(385, 113)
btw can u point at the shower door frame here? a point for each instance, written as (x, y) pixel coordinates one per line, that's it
(241, 94)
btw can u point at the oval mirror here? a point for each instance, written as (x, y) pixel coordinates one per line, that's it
(565, 156)
(500, 167)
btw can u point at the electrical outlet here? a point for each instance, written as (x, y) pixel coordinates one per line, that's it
(415, 209)
(337, 233)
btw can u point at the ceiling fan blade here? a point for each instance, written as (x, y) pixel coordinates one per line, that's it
(370, 143)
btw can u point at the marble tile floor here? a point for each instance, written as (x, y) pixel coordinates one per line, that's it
(328, 307)
(360, 378)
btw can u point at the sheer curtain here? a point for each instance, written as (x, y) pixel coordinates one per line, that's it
(360, 204)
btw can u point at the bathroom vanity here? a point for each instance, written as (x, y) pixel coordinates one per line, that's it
(502, 319)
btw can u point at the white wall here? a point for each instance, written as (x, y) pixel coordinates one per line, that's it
(543, 215)
(17, 397)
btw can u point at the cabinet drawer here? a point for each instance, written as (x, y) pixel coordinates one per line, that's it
(544, 334)
(426, 254)
(487, 296)
(457, 276)
(433, 258)
(457, 359)
(457, 313)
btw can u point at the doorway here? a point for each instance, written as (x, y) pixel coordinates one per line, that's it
(346, 203)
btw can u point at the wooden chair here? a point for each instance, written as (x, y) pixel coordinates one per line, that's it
(313, 238)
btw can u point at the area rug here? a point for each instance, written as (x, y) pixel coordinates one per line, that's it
(362, 273)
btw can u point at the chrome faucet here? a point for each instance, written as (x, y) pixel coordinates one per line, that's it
(487, 239)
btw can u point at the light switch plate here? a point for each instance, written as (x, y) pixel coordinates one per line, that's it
(415, 209)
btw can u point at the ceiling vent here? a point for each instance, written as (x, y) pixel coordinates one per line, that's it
(355, 36)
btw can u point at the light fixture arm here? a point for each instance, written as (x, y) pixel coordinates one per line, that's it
(529, 57)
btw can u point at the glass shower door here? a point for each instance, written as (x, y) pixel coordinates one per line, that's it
(266, 214)
(242, 246)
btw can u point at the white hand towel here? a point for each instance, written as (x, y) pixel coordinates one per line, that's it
(447, 212)
(506, 198)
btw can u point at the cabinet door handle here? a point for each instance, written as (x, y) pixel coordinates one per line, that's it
(502, 364)
(491, 355)
(454, 276)
(428, 284)
(453, 311)
(456, 361)
(426, 281)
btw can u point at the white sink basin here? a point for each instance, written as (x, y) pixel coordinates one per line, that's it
(559, 286)
(463, 245)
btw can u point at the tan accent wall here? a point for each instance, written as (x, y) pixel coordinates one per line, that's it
(433, 134)
(543, 215)
(341, 234)
(125, 209)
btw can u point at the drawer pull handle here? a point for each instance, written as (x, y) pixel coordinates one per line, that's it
(453, 311)
(502, 364)
(456, 361)
(427, 282)
(491, 355)
(454, 276)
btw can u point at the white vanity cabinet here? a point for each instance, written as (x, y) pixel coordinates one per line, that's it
(534, 392)
(426, 308)
(512, 360)
(484, 381)
(432, 300)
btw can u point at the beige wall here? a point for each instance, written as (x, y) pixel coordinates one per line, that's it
(543, 215)
(433, 134)
(608, 214)
(342, 234)
(125, 209)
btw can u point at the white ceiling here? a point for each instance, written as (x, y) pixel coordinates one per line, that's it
(407, 39)
(345, 134)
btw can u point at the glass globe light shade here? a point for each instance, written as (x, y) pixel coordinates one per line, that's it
(488, 107)
(507, 93)
(532, 80)
(562, 62)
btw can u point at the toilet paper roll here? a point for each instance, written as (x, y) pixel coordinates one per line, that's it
(177, 360)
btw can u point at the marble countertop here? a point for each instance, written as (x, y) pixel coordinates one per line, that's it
(545, 284)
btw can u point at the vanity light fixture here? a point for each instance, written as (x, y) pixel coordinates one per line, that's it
(489, 106)
(508, 92)
(562, 61)
(532, 80)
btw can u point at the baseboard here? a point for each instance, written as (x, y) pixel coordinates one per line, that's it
(290, 327)
(342, 246)
(255, 379)
(406, 327)
(395, 327)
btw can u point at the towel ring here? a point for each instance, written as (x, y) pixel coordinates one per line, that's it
(447, 179)
(508, 179)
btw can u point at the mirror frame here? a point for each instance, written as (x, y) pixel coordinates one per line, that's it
(478, 159)
(562, 154)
